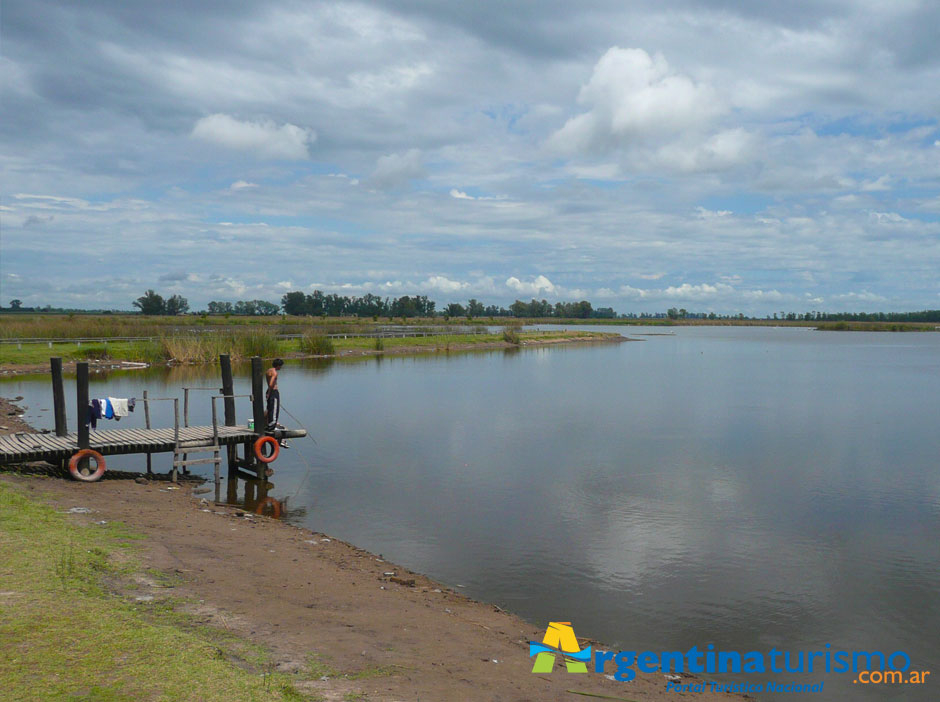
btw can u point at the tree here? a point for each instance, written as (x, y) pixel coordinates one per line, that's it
(177, 305)
(150, 303)
(294, 303)
(475, 308)
(15, 304)
(455, 309)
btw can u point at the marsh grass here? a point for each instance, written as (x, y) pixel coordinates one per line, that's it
(317, 344)
(511, 335)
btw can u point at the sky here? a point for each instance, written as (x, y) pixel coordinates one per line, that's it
(717, 155)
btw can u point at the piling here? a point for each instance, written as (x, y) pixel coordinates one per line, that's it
(231, 452)
(58, 397)
(81, 384)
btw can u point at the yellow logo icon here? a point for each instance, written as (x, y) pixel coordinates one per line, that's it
(559, 640)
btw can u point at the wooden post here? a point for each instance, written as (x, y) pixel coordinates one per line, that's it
(147, 424)
(257, 402)
(257, 392)
(58, 398)
(228, 390)
(81, 393)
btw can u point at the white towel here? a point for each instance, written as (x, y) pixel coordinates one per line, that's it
(119, 406)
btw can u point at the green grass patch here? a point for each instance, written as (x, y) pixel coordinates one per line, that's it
(317, 344)
(67, 636)
(205, 348)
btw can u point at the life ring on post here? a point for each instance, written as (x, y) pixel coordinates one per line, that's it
(259, 449)
(269, 502)
(75, 466)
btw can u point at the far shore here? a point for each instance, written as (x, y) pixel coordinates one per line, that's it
(394, 347)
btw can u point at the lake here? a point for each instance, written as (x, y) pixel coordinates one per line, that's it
(747, 487)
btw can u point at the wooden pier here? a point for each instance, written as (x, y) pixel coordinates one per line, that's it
(181, 439)
(19, 448)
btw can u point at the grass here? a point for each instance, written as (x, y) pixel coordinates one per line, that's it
(317, 344)
(66, 636)
(511, 336)
(242, 344)
(876, 326)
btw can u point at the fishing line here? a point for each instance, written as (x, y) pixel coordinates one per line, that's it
(302, 456)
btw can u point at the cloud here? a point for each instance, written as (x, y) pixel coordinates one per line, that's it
(394, 170)
(632, 96)
(287, 142)
(881, 184)
(241, 185)
(718, 152)
(35, 221)
(442, 284)
(540, 285)
(460, 195)
(175, 277)
(704, 213)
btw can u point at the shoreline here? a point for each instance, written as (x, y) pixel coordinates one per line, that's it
(13, 369)
(381, 630)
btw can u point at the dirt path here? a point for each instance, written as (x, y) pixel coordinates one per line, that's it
(299, 593)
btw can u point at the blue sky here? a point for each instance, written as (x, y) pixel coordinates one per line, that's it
(715, 155)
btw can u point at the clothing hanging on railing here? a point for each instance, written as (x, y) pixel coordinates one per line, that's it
(109, 408)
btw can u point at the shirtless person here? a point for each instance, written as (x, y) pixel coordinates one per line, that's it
(274, 397)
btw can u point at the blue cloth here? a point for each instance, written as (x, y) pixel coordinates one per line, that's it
(107, 411)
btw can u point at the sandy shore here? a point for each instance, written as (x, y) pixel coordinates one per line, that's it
(298, 592)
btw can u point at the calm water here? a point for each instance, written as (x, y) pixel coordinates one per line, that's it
(753, 488)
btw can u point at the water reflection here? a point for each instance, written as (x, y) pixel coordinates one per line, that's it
(747, 487)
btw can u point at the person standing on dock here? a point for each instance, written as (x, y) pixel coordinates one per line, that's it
(272, 394)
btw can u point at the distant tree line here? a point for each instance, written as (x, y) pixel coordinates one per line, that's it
(247, 308)
(318, 304)
(152, 303)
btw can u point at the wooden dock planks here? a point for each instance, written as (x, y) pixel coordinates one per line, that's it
(16, 448)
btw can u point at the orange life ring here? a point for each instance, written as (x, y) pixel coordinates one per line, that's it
(259, 449)
(275, 506)
(76, 460)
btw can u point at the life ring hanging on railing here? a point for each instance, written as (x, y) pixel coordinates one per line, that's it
(274, 504)
(259, 449)
(75, 465)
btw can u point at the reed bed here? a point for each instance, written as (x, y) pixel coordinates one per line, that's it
(317, 344)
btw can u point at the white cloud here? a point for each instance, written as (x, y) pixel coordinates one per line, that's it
(241, 185)
(887, 217)
(696, 292)
(631, 96)
(538, 286)
(881, 184)
(286, 142)
(460, 195)
(705, 213)
(442, 284)
(864, 296)
(718, 152)
(394, 170)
